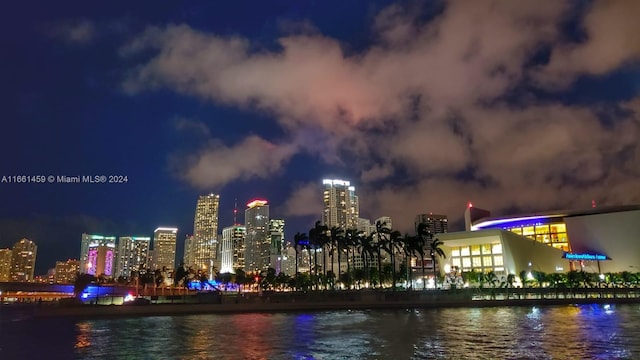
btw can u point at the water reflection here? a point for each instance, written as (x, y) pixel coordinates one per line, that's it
(585, 332)
(83, 337)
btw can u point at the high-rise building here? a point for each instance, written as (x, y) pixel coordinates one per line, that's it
(436, 224)
(133, 254)
(341, 207)
(258, 242)
(188, 253)
(66, 271)
(232, 248)
(203, 250)
(101, 259)
(23, 260)
(276, 244)
(93, 241)
(5, 265)
(164, 248)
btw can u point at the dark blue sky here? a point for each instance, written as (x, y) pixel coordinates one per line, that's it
(66, 110)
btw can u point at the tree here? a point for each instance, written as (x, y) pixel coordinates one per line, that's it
(423, 236)
(317, 239)
(367, 248)
(382, 233)
(241, 277)
(436, 250)
(352, 238)
(337, 237)
(81, 283)
(391, 246)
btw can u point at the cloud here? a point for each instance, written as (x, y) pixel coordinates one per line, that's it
(305, 201)
(80, 31)
(217, 164)
(195, 127)
(612, 41)
(424, 101)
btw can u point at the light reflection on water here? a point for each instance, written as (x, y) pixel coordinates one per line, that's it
(584, 332)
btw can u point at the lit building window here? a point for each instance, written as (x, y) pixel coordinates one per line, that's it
(497, 249)
(497, 260)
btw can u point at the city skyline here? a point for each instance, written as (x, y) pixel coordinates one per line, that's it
(423, 106)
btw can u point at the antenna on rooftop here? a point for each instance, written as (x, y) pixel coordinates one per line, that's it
(235, 211)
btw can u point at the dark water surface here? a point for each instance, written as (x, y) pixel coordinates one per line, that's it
(556, 332)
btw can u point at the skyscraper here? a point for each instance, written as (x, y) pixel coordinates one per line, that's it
(203, 250)
(5, 265)
(164, 248)
(436, 224)
(23, 260)
(232, 248)
(258, 242)
(276, 244)
(94, 241)
(133, 253)
(341, 207)
(188, 253)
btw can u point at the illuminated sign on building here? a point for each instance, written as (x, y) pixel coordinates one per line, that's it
(597, 257)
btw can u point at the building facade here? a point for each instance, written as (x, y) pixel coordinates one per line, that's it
(164, 248)
(89, 240)
(603, 239)
(133, 255)
(101, 259)
(23, 260)
(436, 224)
(341, 208)
(258, 241)
(203, 249)
(276, 246)
(5, 264)
(232, 248)
(66, 271)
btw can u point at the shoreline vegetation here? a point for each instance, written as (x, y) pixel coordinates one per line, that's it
(214, 303)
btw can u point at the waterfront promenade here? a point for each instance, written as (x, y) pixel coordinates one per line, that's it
(344, 300)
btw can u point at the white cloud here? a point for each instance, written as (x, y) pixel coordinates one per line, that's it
(305, 201)
(612, 40)
(425, 99)
(218, 164)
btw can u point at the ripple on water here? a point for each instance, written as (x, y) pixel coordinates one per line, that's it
(584, 332)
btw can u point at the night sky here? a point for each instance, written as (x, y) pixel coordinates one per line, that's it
(515, 106)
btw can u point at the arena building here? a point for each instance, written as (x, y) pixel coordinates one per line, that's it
(603, 239)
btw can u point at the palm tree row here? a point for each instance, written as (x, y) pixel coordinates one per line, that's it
(349, 245)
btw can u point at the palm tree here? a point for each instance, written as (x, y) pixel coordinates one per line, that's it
(436, 250)
(317, 239)
(366, 248)
(337, 241)
(351, 240)
(411, 247)
(422, 238)
(391, 246)
(382, 234)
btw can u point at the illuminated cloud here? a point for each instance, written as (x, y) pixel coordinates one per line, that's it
(425, 100)
(305, 201)
(217, 164)
(611, 29)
